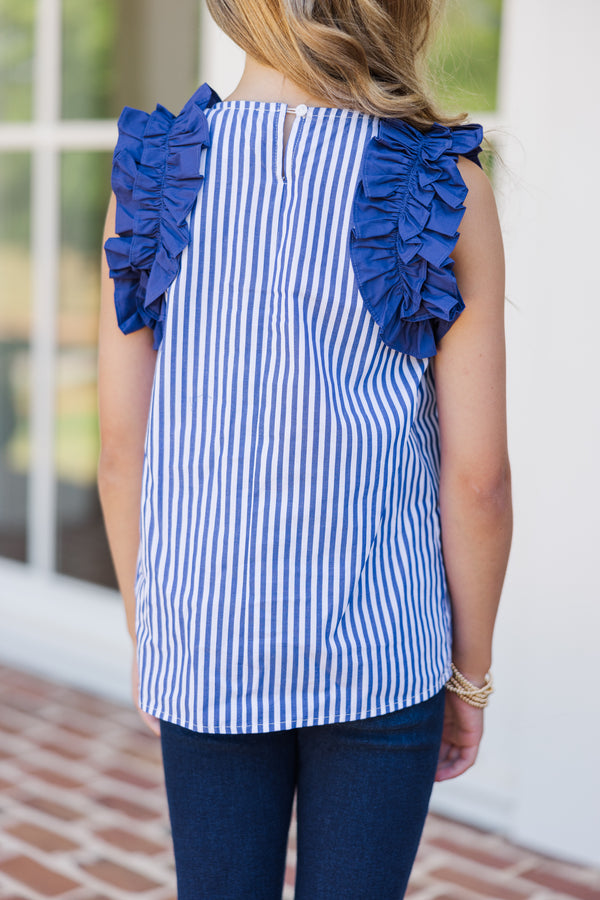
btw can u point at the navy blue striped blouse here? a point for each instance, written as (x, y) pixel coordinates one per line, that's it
(290, 570)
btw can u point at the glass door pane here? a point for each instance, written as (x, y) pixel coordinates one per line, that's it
(15, 326)
(82, 546)
(17, 18)
(89, 73)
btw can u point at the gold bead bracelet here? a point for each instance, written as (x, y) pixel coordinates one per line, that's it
(469, 692)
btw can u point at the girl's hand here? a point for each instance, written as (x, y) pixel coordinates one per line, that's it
(149, 721)
(463, 728)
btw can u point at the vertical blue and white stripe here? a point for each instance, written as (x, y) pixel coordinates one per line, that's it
(290, 569)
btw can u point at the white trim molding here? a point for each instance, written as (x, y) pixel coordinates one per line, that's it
(93, 134)
(65, 630)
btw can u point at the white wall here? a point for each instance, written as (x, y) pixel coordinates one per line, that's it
(551, 99)
(543, 735)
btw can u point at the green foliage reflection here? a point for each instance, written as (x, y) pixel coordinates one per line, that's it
(88, 66)
(16, 59)
(465, 55)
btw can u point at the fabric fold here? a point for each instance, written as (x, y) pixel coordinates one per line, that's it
(406, 213)
(156, 178)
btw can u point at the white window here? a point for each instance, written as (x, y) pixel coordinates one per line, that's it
(66, 69)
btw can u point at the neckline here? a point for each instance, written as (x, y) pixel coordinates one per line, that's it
(280, 104)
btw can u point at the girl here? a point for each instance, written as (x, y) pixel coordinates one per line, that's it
(304, 469)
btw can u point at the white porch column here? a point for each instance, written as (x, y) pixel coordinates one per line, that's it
(551, 631)
(537, 778)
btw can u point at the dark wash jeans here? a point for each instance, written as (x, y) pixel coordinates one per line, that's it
(363, 789)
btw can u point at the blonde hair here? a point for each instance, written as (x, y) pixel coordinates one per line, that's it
(366, 55)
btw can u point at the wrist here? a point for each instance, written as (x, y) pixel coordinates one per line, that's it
(475, 677)
(474, 670)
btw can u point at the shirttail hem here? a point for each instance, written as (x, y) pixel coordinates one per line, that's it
(300, 723)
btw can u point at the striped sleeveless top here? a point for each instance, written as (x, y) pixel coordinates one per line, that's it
(290, 570)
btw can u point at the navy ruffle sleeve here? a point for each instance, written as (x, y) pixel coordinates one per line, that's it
(406, 213)
(156, 177)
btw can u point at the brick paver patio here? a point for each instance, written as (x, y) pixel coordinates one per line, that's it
(83, 815)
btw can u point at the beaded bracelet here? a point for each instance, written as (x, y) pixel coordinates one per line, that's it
(469, 692)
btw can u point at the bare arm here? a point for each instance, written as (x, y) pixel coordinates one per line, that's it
(475, 497)
(125, 373)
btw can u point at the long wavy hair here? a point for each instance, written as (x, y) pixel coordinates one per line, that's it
(367, 55)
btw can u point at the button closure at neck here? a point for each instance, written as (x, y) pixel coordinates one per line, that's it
(299, 110)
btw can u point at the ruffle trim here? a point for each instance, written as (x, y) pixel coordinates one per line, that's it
(406, 212)
(156, 178)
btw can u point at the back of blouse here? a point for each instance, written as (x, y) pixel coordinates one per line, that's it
(290, 570)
